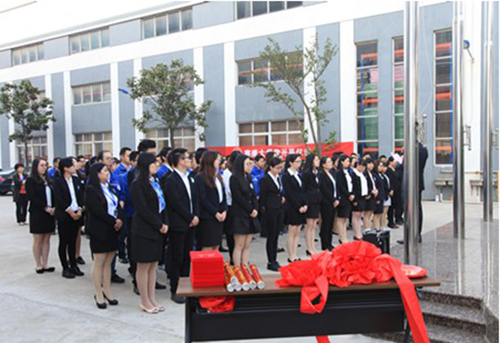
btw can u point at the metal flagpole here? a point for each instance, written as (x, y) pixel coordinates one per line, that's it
(411, 81)
(458, 147)
(487, 107)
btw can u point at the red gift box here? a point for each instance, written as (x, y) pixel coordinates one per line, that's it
(207, 269)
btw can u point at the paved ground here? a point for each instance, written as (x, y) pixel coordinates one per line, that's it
(48, 308)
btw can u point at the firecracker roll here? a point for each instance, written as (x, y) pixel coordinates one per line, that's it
(227, 283)
(248, 276)
(241, 278)
(258, 278)
(230, 271)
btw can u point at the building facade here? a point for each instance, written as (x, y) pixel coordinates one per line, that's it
(83, 69)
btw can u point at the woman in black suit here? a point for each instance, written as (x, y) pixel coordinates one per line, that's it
(42, 223)
(371, 203)
(149, 224)
(19, 193)
(67, 196)
(296, 203)
(346, 197)
(213, 205)
(379, 200)
(103, 224)
(271, 202)
(329, 202)
(313, 194)
(362, 194)
(244, 222)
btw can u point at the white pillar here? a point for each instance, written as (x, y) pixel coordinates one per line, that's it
(347, 51)
(231, 128)
(199, 95)
(138, 106)
(50, 131)
(12, 145)
(308, 39)
(115, 109)
(68, 124)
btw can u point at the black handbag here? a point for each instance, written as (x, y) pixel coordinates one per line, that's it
(381, 239)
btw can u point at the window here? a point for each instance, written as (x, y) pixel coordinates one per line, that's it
(167, 23)
(266, 133)
(183, 137)
(367, 95)
(89, 40)
(245, 9)
(258, 70)
(443, 128)
(398, 92)
(90, 94)
(28, 54)
(37, 148)
(90, 144)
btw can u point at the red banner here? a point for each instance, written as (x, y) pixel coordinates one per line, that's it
(283, 150)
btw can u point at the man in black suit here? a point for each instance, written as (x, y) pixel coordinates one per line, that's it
(183, 212)
(396, 204)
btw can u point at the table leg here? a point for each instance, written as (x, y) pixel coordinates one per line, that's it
(187, 335)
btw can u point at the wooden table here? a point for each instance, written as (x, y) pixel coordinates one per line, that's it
(275, 311)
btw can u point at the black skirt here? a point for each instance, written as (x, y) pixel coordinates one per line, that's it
(146, 250)
(108, 245)
(42, 222)
(244, 225)
(210, 232)
(313, 211)
(344, 211)
(370, 204)
(294, 217)
(361, 205)
(379, 208)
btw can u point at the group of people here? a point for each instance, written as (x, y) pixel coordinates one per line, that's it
(154, 208)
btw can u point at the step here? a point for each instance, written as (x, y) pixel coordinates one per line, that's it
(455, 299)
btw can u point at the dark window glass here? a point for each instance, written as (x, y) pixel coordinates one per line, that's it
(443, 43)
(367, 54)
(367, 79)
(443, 125)
(443, 151)
(399, 127)
(187, 20)
(367, 128)
(244, 72)
(276, 6)
(368, 147)
(149, 28)
(399, 50)
(260, 71)
(161, 25)
(399, 76)
(443, 71)
(243, 9)
(259, 7)
(104, 38)
(367, 104)
(292, 4)
(443, 98)
(173, 22)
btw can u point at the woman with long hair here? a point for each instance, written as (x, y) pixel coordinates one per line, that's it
(149, 224)
(329, 202)
(346, 197)
(213, 205)
(296, 203)
(313, 194)
(19, 193)
(103, 224)
(244, 222)
(380, 211)
(42, 222)
(362, 195)
(371, 202)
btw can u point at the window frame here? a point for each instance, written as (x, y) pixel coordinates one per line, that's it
(78, 38)
(179, 13)
(269, 133)
(31, 148)
(92, 102)
(92, 142)
(26, 49)
(394, 89)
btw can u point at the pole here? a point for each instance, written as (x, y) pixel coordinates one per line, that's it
(411, 79)
(487, 107)
(457, 142)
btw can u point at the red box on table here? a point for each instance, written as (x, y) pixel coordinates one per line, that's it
(207, 269)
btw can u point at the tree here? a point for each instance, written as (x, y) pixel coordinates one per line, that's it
(166, 89)
(298, 69)
(30, 112)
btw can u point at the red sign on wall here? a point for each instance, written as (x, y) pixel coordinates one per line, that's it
(283, 150)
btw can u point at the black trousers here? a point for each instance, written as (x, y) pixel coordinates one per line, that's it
(391, 211)
(398, 207)
(180, 244)
(21, 208)
(133, 265)
(273, 220)
(68, 231)
(420, 213)
(328, 214)
(229, 235)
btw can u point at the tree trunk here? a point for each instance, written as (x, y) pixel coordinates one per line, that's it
(171, 137)
(26, 154)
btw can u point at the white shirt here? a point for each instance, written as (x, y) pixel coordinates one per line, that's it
(111, 199)
(219, 189)
(276, 181)
(334, 183)
(349, 180)
(226, 176)
(371, 179)
(185, 179)
(48, 195)
(364, 182)
(74, 204)
(296, 176)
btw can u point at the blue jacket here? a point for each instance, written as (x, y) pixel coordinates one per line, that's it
(120, 170)
(161, 171)
(51, 172)
(256, 175)
(124, 194)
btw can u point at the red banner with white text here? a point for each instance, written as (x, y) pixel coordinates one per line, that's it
(283, 150)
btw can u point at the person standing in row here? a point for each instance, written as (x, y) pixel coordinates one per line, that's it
(54, 171)
(395, 182)
(149, 224)
(226, 177)
(389, 193)
(346, 197)
(183, 213)
(296, 203)
(103, 223)
(373, 192)
(244, 222)
(362, 195)
(213, 205)
(69, 204)
(381, 194)
(19, 192)
(329, 202)
(42, 223)
(271, 203)
(313, 194)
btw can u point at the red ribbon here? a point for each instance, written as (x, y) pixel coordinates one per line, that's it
(218, 304)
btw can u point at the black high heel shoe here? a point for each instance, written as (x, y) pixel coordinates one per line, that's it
(101, 306)
(289, 261)
(340, 241)
(308, 253)
(112, 302)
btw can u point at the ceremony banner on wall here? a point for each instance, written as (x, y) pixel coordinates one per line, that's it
(283, 150)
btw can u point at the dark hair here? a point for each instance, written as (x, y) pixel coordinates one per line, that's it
(342, 158)
(18, 165)
(124, 150)
(79, 157)
(258, 158)
(324, 159)
(352, 158)
(208, 170)
(34, 172)
(56, 159)
(143, 162)
(269, 155)
(354, 155)
(239, 172)
(100, 156)
(309, 165)
(133, 155)
(390, 159)
(232, 158)
(368, 160)
(175, 156)
(289, 159)
(66, 162)
(199, 154)
(273, 162)
(116, 161)
(146, 144)
(335, 158)
(164, 153)
(366, 154)
(364, 163)
(382, 156)
(93, 179)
